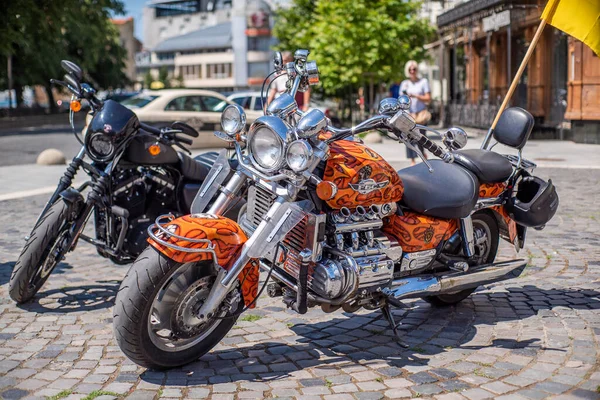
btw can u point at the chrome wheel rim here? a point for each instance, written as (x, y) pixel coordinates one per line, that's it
(52, 258)
(482, 235)
(171, 317)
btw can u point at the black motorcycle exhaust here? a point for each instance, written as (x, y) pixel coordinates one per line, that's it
(430, 285)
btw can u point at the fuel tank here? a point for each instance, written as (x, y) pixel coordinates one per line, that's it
(361, 176)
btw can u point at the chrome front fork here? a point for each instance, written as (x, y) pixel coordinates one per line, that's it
(227, 278)
(468, 238)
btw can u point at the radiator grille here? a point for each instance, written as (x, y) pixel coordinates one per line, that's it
(259, 203)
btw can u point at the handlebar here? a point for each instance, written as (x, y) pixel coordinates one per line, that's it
(150, 129)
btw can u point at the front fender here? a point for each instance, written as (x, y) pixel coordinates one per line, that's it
(226, 237)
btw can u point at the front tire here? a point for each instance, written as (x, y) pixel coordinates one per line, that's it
(41, 253)
(486, 224)
(152, 284)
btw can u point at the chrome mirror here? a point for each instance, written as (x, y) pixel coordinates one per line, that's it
(311, 123)
(389, 105)
(403, 102)
(454, 138)
(278, 61)
(312, 72)
(283, 106)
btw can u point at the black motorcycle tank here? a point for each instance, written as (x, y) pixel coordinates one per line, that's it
(145, 149)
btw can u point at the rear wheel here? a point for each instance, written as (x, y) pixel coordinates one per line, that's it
(485, 230)
(155, 321)
(43, 250)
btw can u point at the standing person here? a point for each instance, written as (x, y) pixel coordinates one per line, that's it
(420, 95)
(278, 86)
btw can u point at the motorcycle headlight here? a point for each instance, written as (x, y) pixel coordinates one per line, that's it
(100, 147)
(266, 143)
(233, 119)
(298, 155)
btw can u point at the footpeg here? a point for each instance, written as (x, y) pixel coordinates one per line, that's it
(459, 266)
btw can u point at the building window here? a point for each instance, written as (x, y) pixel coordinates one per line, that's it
(191, 71)
(219, 71)
(165, 56)
(203, 51)
(258, 69)
(259, 43)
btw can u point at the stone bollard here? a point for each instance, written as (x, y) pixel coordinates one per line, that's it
(373, 137)
(51, 157)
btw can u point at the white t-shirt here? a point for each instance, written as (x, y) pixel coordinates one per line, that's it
(420, 88)
(279, 84)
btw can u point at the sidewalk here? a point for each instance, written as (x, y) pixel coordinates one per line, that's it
(31, 179)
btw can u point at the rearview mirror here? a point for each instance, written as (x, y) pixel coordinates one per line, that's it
(73, 68)
(454, 138)
(72, 82)
(278, 61)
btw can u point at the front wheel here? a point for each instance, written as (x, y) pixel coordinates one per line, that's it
(155, 312)
(43, 250)
(485, 230)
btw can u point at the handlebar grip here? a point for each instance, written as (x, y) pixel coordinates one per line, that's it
(432, 147)
(150, 129)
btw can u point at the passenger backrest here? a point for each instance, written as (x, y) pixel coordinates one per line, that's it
(514, 127)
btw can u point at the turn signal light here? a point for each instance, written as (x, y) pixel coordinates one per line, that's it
(154, 150)
(75, 106)
(326, 190)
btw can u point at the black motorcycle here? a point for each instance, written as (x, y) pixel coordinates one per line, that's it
(135, 176)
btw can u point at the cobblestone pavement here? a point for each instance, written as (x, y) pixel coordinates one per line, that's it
(530, 338)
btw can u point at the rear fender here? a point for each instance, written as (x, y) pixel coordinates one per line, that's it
(226, 239)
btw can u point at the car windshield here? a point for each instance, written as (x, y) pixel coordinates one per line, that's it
(138, 101)
(214, 104)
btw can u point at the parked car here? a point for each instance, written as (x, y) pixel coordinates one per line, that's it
(247, 100)
(199, 108)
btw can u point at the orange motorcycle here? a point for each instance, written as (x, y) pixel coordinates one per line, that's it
(330, 222)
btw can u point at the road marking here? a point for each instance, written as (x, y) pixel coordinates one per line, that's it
(27, 193)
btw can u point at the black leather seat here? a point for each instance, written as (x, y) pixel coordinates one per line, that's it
(449, 192)
(489, 167)
(196, 168)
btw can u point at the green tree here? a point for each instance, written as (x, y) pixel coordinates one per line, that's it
(148, 79)
(163, 76)
(40, 33)
(371, 38)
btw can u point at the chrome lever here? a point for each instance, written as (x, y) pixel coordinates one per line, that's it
(417, 150)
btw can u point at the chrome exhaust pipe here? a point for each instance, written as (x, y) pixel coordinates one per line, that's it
(420, 286)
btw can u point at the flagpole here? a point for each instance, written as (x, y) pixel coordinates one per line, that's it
(515, 82)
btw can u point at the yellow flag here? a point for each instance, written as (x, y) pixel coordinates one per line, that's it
(578, 18)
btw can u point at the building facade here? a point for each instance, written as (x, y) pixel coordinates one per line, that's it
(480, 46)
(130, 44)
(221, 45)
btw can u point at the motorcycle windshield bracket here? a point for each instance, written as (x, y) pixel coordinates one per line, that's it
(215, 178)
(282, 221)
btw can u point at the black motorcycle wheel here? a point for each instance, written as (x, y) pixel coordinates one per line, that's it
(483, 223)
(156, 299)
(41, 253)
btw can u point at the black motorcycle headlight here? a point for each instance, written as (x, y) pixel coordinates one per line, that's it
(100, 147)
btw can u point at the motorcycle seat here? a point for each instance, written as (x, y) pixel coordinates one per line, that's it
(196, 168)
(489, 167)
(450, 191)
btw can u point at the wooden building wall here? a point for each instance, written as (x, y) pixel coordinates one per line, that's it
(583, 102)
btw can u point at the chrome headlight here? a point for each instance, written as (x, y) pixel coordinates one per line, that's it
(298, 155)
(100, 147)
(266, 143)
(233, 119)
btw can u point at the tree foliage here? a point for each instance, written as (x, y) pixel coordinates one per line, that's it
(354, 40)
(38, 34)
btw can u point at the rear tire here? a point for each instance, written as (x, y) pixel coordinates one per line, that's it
(34, 266)
(486, 223)
(145, 280)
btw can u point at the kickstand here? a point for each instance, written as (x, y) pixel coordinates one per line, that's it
(387, 312)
